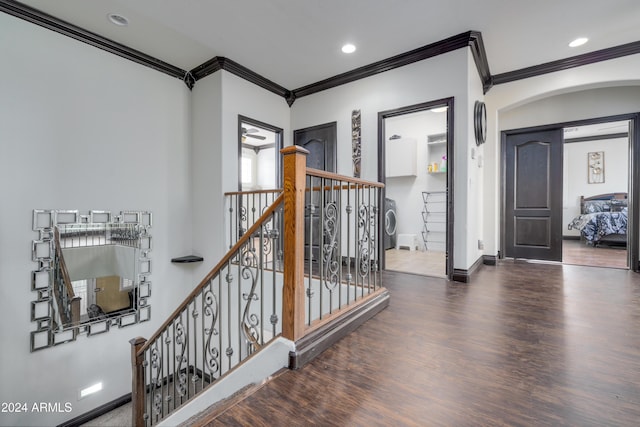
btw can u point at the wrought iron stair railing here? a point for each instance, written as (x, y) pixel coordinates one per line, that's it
(311, 257)
(66, 304)
(342, 258)
(243, 208)
(232, 313)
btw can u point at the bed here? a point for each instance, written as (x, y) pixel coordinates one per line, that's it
(603, 219)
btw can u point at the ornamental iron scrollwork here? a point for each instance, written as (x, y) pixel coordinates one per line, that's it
(156, 379)
(331, 255)
(212, 353)
(182, 340)
(217, 327)
(366, 241)
(250, 321)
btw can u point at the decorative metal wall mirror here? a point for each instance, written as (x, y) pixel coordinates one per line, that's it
(93, 273)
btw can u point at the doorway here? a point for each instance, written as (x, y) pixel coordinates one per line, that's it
(588, 219)
(321, 142)
(595, 194)
(415, 146)
(259, 160)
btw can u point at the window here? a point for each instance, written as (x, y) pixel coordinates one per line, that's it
(247, 169)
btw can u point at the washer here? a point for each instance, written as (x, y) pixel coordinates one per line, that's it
(390, 224)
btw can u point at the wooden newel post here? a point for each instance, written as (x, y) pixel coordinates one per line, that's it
(294, 181)
(137, 382)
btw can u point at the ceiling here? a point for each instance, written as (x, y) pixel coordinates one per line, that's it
(256, 137)
(295, 43)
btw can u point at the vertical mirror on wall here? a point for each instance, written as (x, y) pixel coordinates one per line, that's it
(595, 194)
(259, 155)
(415, 211)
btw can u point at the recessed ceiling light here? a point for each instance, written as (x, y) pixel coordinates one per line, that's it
(118, 20)
(348, 48)
(578, 42)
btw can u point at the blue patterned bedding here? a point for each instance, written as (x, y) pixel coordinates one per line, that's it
(594, 226)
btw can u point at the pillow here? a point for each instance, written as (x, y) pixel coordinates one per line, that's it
(618, 204)
(593, 206)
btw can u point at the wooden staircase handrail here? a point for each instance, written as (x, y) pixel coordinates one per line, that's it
(225, 259)
(240, 193)
(330, 175)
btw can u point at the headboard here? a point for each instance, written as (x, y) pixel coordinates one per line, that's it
(607, 202)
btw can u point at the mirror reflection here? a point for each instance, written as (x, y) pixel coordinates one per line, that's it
(92, 273)
(96, 271)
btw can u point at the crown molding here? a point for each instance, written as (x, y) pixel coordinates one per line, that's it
(52, 23)
(480, 58)
(472, 39)
(469, 38)
(206, 68)
(567, 63)
(217, 63)
(221, 63)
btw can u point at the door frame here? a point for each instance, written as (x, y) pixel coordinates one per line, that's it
(633, 226)
(382, 115)
(278, 146)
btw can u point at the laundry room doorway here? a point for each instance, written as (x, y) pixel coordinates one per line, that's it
(415, 165)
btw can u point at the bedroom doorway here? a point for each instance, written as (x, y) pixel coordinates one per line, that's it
(595, 194)
(598, 172)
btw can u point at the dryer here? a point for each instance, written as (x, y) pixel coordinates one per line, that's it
(390, 224)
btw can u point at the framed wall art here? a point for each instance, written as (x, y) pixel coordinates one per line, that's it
(356, 142)
(595, 167)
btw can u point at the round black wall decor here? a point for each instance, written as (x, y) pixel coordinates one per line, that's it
(480, 122)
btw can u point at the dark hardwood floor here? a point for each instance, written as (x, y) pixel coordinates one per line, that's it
(580, 253)
(521, 345)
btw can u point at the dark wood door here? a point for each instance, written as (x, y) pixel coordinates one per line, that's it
(321, 142)
(533, 195)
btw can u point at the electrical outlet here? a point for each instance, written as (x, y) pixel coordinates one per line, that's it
(480, 244)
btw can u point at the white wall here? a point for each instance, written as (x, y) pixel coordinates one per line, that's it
(596, 90)
(83, 129)
(444, 76)
(473, 164)
(249, 100)
(91, 262)
(206, 164)
(218, 99)
(575, 177)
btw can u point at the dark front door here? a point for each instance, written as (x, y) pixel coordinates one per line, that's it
(533, 195)
(321, 142)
